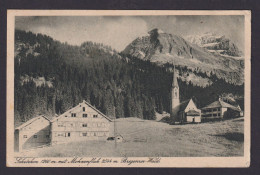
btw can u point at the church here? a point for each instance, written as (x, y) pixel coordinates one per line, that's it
(182, 112)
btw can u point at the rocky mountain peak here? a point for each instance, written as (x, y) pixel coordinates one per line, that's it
(162, 48)
(156, 31)
(216, 44)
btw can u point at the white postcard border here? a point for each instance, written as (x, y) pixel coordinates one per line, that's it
(119, 161)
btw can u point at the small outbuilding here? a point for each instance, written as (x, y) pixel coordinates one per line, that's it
(33, 133)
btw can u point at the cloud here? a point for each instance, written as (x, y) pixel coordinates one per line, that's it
(115, 31)
(119, 31)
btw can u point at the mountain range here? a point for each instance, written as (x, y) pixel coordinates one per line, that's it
(196, 54)
(217, 44)
(52, 77)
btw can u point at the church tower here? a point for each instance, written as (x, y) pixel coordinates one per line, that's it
(175, 98)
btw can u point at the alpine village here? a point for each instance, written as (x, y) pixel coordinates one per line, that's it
(66, 93)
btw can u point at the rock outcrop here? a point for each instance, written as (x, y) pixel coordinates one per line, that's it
(162, 48)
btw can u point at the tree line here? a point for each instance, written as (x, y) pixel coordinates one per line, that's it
(116, 84)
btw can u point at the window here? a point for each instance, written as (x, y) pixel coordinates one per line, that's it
(47, 136)
(67, 134)
(94, 116)
(60, 135)
(218, 114)
(73, 114)
(85, 115)
(84, 134)
(84, 125)
(35, 136)
(95, 134)
(24, 136)
(83, 108)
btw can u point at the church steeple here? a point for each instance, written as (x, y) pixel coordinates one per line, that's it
(175, 98)
(174, 80)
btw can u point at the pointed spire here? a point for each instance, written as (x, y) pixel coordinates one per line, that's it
(174, 80)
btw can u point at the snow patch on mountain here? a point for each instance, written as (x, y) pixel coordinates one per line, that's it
(217, 43)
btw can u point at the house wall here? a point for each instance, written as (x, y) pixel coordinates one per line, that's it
(213, 113)
(33, 135)
(197, 119)
(68, 128)
(223, 111)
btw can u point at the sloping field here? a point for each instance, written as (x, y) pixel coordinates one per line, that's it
(144, 138)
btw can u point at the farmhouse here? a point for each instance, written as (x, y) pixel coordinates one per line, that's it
(83, 122)
(220, 110)
(33, 133)
(185, 111)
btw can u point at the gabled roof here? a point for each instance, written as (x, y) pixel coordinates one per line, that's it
(221, 104)
(31, 121)
(215, 104)
(182, 106)
(108, 118)
(97, 110)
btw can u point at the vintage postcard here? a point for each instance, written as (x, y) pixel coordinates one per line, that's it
(115, 88)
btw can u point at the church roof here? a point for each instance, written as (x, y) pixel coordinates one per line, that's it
(182, 106)
(174, 80)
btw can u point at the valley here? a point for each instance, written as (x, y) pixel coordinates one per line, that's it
(144, 138)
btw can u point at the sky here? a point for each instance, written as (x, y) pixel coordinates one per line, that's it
(119, 31)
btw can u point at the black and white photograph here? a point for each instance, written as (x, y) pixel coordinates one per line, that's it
(128, 88)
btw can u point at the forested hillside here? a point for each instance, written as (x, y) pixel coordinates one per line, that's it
(51, 77)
